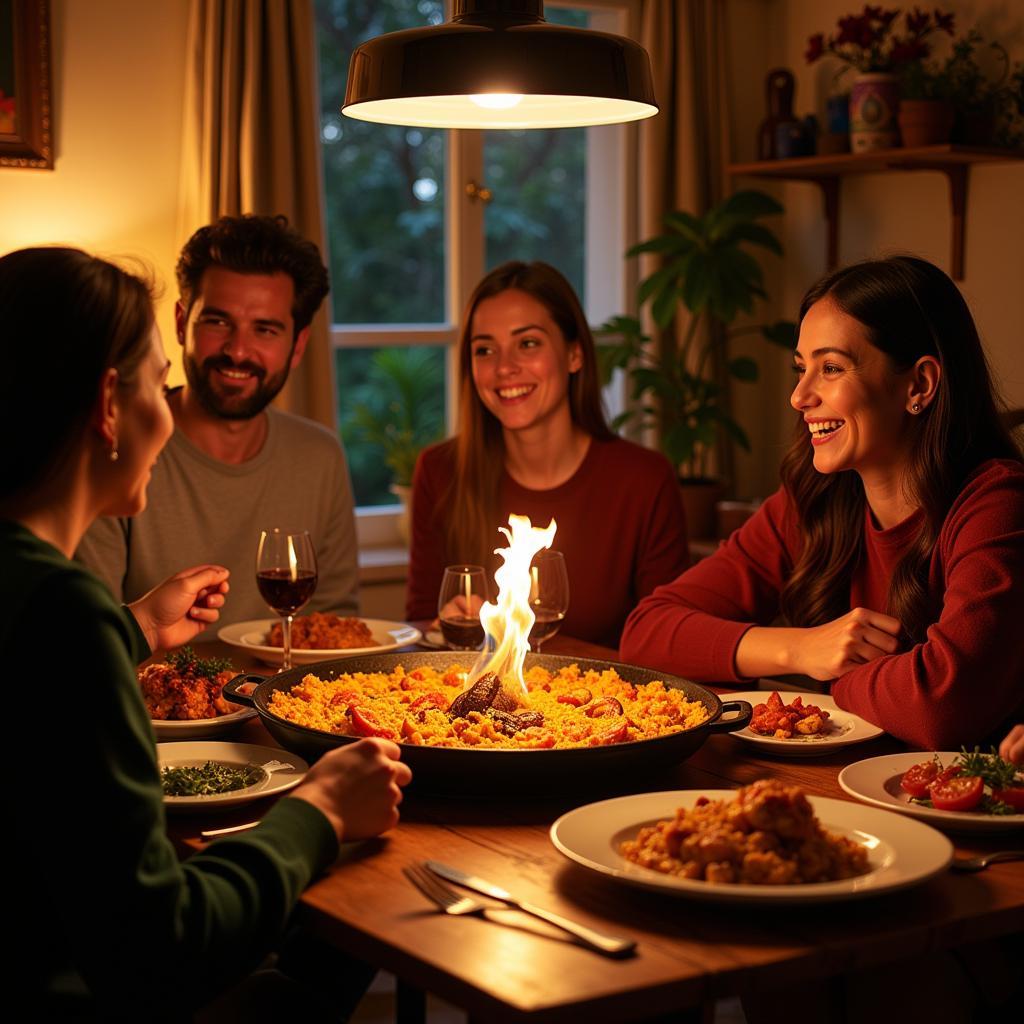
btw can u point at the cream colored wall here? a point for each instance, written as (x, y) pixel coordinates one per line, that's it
(117, 87)
(880, 214)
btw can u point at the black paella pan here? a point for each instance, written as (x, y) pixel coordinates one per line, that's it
(530, 772)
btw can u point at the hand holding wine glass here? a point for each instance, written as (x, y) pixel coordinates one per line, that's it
(286, 576)
(463, 592)
(549, 595)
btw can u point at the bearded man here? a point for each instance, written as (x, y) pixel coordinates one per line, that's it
(249, 287)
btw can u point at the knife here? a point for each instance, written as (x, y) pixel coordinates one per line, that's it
(607, 944)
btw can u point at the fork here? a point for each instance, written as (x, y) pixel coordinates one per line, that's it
(978, 863)
(451, 902)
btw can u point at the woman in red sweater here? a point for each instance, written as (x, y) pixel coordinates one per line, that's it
(533, 440)
(894, 551)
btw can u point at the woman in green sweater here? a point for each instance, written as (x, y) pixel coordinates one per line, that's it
(109, 924)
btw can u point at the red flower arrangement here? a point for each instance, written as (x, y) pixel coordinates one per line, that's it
(868, 41)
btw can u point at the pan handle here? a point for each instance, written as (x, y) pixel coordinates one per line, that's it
(232, 692)
(722, 724)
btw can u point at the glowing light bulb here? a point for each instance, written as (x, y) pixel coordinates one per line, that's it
(497, 100)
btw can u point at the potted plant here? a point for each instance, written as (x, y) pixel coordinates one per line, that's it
(681, 387)
(870, 43)
(987, 93)
(926, 108)
(398, 412)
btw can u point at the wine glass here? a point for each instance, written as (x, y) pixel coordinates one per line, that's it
(549, 595)
(286, 576)
(463, 591)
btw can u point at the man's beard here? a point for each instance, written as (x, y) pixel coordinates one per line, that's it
(232, 407)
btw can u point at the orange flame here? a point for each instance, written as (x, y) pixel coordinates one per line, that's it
(508, 622)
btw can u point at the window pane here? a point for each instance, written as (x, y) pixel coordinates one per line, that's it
(392, 403)
(539, 183)
(384, 185)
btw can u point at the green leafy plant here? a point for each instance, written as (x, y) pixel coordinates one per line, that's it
(402, 407)
(708, 272)
(990, 88)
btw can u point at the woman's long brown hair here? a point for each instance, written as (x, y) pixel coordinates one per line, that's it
(472, 524)
(909, 309)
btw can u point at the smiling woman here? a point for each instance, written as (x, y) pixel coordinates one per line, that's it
(895, 549)
(533, 441)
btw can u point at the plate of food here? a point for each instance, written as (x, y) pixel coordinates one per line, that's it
(319, 636)
(774, 845)
(965, 792)
(213, 776)
(183, 696)
(800, 724)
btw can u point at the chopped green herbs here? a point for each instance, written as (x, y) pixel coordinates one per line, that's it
(187, 662)
(210, 778)
(994, 771)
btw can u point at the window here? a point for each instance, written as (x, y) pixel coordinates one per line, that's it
(407, 242)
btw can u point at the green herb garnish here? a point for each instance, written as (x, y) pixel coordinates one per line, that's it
(187, 662)
(991, 768)
(208, 779)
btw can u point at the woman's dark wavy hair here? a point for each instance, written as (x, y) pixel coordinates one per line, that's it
(909, 309)
(65, 318)
(472, 526)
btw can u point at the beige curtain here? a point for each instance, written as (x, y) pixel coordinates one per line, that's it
(685, 149)
(251, 143)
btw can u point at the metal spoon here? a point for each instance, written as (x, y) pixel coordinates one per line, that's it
(983, 861)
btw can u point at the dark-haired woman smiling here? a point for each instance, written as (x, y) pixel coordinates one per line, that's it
(894, 551)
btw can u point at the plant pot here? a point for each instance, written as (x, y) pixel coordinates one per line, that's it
(974, 127)
(874, 100)
(404, 495)
(699, 499)
(925, 122)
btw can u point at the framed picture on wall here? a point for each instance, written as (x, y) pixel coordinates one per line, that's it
(26, 119)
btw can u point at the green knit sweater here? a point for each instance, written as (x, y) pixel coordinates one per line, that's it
(104, 919)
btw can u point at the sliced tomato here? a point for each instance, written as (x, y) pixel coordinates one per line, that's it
(960, 793)
(917, 779)
(366, 723)
(1014, 796)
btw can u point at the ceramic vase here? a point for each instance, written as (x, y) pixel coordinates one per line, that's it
(404, 495)
(874, 101)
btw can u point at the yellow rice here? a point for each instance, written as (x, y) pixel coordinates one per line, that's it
(648, 710)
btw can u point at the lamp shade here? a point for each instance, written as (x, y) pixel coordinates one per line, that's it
(499, 64)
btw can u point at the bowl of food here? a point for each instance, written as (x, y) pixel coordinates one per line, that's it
(582, 722)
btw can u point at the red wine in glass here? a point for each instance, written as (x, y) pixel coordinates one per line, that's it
(286, 578)
(546, 625)
(463, 633)
(283, 593)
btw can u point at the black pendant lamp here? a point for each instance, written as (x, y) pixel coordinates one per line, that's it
(499, 64)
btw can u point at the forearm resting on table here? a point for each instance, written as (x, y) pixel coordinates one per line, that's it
(769, 651)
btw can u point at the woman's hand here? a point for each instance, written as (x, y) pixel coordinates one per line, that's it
(1012, 748)
(358, 788)
(181, 607)
(821, 652)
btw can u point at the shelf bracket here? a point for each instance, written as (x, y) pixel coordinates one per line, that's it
(956, 174)
(830, 197)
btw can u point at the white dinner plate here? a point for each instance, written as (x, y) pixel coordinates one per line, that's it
(281, 771)
(877, 781)
(252, 637)
(901, 852)
(843, 728)
(201, 728)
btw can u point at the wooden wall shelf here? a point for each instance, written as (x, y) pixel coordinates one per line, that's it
(826, 171)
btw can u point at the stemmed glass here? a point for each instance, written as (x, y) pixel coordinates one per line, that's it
(286, 577)
(463, 591)
(549, 595)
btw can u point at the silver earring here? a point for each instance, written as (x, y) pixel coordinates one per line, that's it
(916, 407)
(113, 451)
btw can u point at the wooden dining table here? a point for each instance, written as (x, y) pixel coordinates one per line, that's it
(689, 953)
